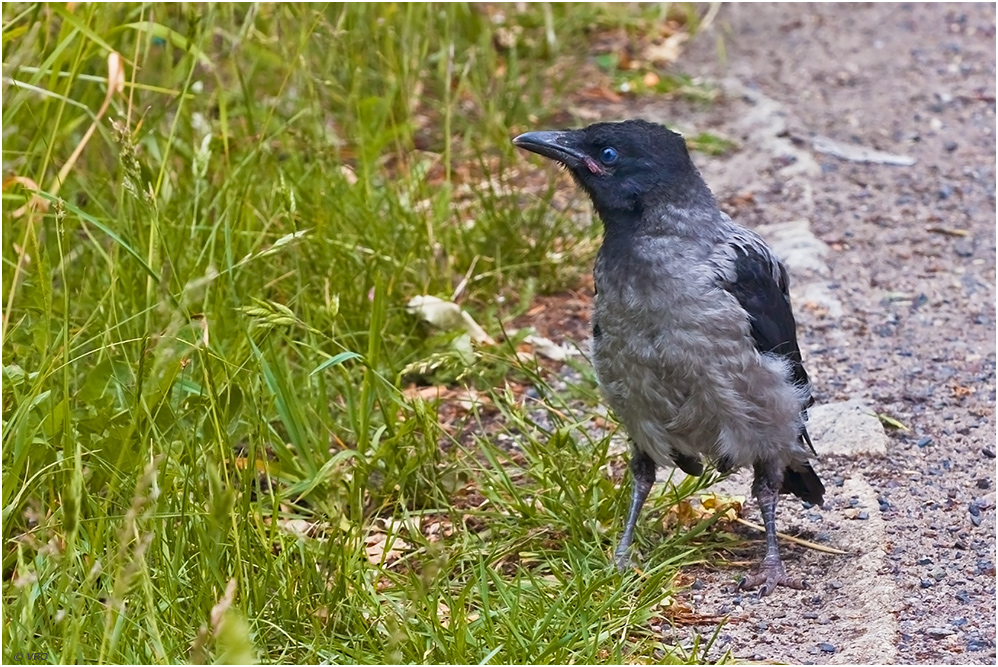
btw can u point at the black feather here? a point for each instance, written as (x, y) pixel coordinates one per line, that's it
(762, 288)
(804, 483)
(766, 299)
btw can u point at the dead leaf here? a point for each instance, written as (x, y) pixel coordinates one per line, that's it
(961, 391)
(668, 51)
(35, 203)
(600, 94)
(545, 347)
(730, 506)
(447, 316)
(115, 73)
(380, 552)
(687, 512)
(465, 398)
(301, 528)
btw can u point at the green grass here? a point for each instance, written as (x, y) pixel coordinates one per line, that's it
(205, 333)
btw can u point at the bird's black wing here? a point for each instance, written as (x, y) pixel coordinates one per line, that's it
(762, 287)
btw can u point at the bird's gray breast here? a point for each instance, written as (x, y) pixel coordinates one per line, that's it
(674, 356)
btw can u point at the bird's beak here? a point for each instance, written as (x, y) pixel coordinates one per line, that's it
(559, 145)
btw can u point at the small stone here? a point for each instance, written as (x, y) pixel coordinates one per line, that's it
(826, 647)
(762, 626)
(884, 505)
(924, 441)
(925, 583)
(938, 633)
(950, 146)
(964, 247)
(988, 453)
(959, 622)
(697, 585)
(984, 483)
(974, 509)
(976, 520)
(978, 644)
(811, 615)
(963, 596)
(863, 516)
(938, 574)
(835, 584)
(924, 560)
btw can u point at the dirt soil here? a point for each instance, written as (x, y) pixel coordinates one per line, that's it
(896, 308)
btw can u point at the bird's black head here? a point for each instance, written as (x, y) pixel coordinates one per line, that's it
(622, 166)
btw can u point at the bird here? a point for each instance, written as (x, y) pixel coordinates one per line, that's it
(694, 341)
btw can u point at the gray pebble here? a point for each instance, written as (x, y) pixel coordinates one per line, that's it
(978, 644)
(938, 633)
(826, 647)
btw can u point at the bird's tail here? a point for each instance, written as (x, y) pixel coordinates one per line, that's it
(801, 480)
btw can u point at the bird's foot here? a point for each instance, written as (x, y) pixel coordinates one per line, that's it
(622, 559)
(769, 576)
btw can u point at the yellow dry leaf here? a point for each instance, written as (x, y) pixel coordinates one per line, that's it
(731, 506)
(688, 513)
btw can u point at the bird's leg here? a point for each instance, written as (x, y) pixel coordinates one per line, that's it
(766, 488)
(643, 474)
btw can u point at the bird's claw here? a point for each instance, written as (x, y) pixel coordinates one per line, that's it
(769, 576)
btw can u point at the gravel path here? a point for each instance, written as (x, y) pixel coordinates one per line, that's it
(867, 137)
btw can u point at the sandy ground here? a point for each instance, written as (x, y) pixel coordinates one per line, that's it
(867, 157)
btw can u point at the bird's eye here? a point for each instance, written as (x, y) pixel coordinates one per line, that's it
(608, 155)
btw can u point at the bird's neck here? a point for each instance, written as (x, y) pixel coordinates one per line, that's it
(689, 212)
